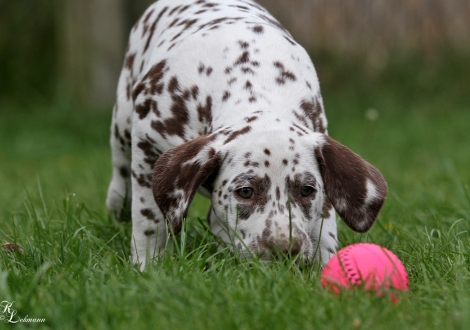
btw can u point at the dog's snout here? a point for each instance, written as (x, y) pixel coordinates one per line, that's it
(295, 249)
(292, 248)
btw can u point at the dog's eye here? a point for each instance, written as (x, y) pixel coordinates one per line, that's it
(245, 192)
(306, 191)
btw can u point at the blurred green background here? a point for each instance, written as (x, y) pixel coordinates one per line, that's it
(28, 49)
(55, 48)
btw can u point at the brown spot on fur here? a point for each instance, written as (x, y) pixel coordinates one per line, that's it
(201, 68)
(152, 28)
(251, 119)
(258, 29)
(118, 136)
(290, 41)
(301, 118)
(148, 213)
(300, 128)
(187, 24)
(153, 76)
(173, 10)
(244, 58)
(143, 180)
(205, 112)
(195, 92)
(174, 125)
(313, 109)
(173, 85)
(235, 134)
(174, 22)
(143, 109)
(147, 17)
(284, 74)
(226, 96)
(129, 62)
(150, 152)
(184, 8)
(273, 22)
(149, 232)
(247, 70)
(218, 21)
(248, 85)
(243, 44)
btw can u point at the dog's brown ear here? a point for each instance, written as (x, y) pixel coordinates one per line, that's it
(356, 189)
(177, 175)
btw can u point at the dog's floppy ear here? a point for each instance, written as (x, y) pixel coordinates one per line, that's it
(356, 189)
(179, 172)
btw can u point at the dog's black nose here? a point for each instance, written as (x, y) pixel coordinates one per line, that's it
(294, 249)
(285, 247)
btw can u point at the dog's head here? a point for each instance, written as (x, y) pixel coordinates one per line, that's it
(269, 188)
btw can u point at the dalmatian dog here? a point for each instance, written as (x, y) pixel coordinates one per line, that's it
(216, 97)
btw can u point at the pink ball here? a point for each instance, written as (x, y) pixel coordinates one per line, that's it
(365, 265)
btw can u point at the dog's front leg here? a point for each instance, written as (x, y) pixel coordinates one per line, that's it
(149, 232)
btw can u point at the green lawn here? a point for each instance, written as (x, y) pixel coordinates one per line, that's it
(75, 270)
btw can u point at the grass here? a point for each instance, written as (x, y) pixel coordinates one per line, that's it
(75, 270)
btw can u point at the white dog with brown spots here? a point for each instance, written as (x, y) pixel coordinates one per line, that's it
(215, 96)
